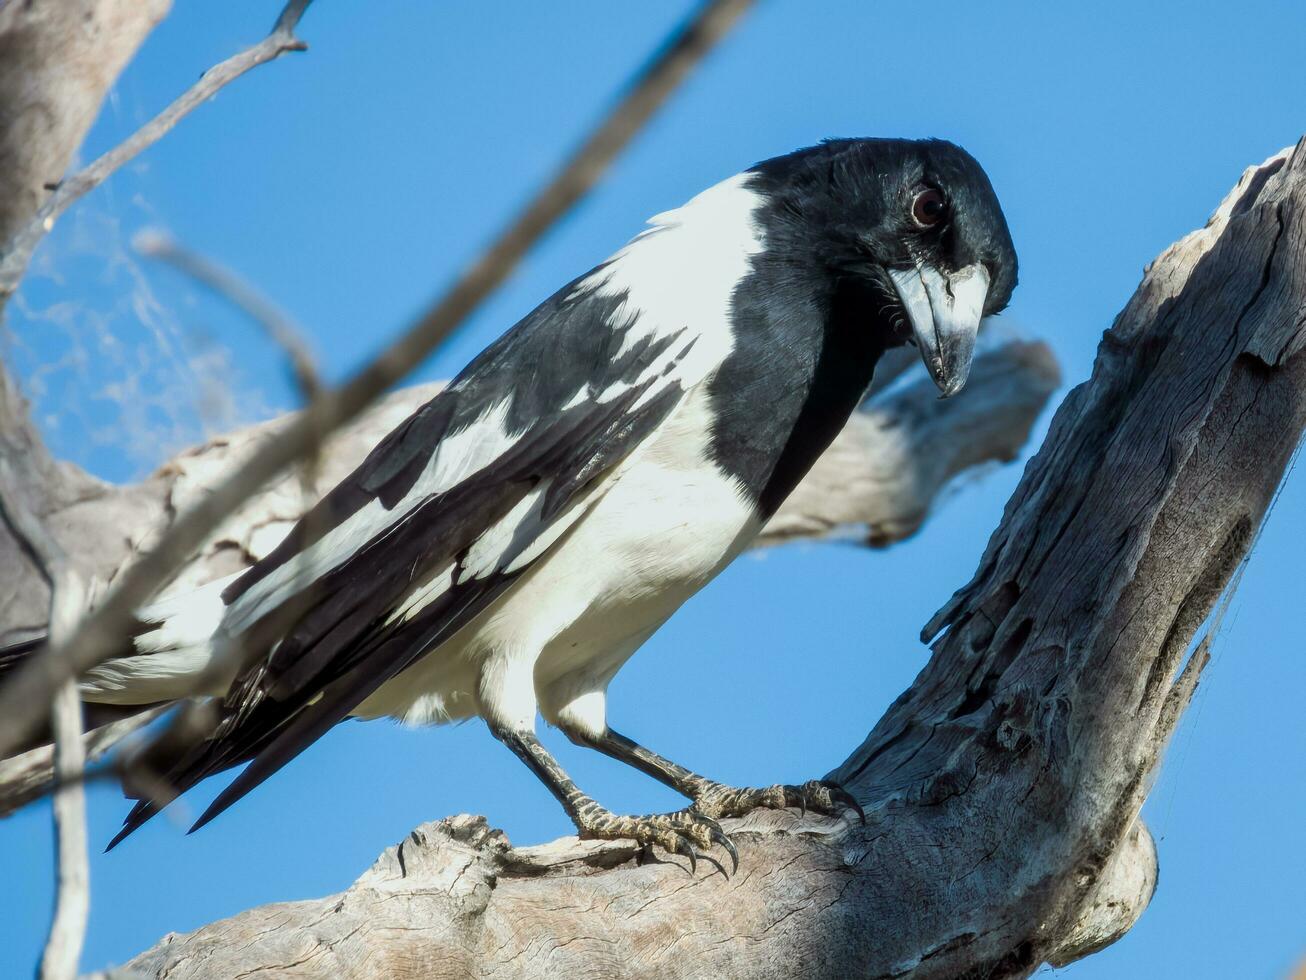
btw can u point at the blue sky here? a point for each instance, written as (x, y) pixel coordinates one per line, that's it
(353, 181)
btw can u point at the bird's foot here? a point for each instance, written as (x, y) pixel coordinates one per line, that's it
(686, 832)
(819, 795)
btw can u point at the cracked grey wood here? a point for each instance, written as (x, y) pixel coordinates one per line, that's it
(1003, 787)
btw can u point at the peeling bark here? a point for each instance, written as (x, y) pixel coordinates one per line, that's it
(1003, 788)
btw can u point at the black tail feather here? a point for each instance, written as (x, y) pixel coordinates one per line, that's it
(14, 654)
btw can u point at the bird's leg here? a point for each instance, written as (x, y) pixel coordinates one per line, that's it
(715, 799)
(681, 832)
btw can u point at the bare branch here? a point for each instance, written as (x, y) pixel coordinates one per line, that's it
(45, 552)
(19, 250)
(278, 326)
(23, 701)
(57, 61)
(63, 948)
(29, 776)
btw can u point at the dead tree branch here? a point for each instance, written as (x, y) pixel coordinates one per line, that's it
(1002, 789)
(24, 700)
(23, 242)
(63, 948)
(274, 322)
(57, 62)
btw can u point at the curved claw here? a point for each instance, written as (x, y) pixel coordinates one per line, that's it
(719, 837)
(716, 864)
(684, 847)
(841, 795)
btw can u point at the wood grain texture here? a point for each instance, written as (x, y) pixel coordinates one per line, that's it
(1003, 788)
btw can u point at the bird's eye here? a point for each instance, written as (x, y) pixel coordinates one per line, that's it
(929, 207)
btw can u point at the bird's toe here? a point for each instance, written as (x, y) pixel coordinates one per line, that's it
(684, 832)
(818, 795)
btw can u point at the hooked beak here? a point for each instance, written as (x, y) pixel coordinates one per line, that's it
(945, 314)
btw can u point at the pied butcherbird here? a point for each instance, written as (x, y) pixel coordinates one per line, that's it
(508, 547)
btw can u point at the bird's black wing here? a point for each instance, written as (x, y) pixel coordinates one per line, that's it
(447, 511)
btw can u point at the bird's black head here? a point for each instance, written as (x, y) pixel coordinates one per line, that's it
(914, 224)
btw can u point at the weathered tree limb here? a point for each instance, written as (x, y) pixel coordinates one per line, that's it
(63, 947)
(23, 241)
(1003, 788)
(57, 61)
(877, 483)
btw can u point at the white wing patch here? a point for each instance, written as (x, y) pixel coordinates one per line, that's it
(172, 657)
(581, 396)
(423, 595)
(186, 619)
(460, 455)
(465, 452)
(682, 272)
(488, 551)
(679, 275)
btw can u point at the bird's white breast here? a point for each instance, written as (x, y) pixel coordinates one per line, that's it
(668, 523)
(656, 530)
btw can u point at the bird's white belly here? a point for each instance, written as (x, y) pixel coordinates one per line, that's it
(668, 523)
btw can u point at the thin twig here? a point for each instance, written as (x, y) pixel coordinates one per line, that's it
(287, 335)
(63, 947)
(23, 700)
(28, 777)
(278, 326)
(19, 249)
